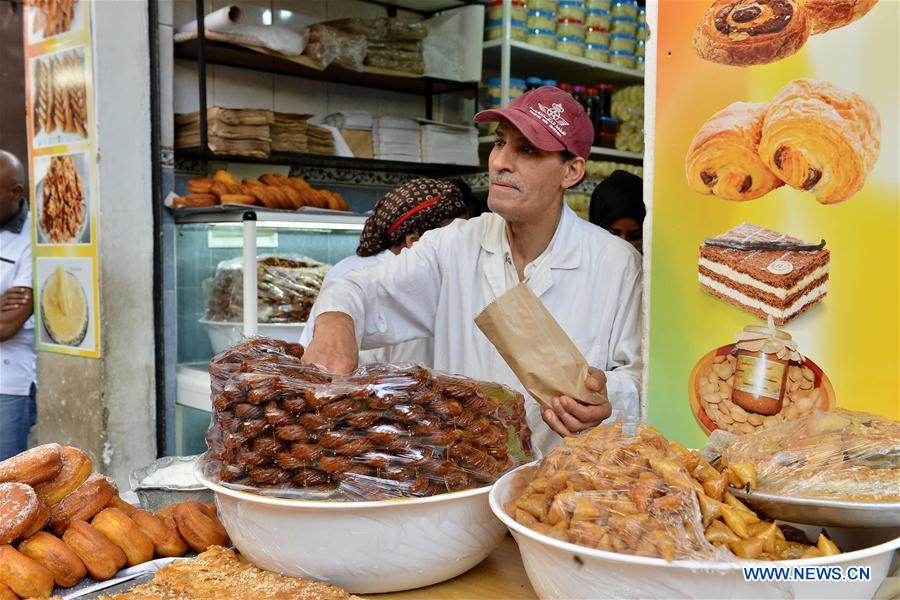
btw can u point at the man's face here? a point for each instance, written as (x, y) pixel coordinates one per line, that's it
(10, 194)
(525, 181)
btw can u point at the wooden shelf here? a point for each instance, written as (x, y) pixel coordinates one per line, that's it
(528, 60)
(333, 162)
(426, 7)
(596, 151)
(233, 55)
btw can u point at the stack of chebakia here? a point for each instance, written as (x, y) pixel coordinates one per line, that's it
(287, 429)
(625, 488)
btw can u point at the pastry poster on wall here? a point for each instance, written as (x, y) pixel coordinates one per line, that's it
(66, 316)
(62, 153)
(773, 259)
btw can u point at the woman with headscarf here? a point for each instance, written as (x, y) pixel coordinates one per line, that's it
(398, 220)
(617, 206)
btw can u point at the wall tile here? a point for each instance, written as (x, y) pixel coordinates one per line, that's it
(185, 97)
(296, 95)
(241, 88)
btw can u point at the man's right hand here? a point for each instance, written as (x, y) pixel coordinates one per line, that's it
(15, 298)
(333, 346)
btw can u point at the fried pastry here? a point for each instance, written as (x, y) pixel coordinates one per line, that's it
(820, 138)
(76, 468)
(166, 539)
(33, 466)
(199, 526)
(55, 556)
(122, 531)
(751, 32)
(25, 576)
(86, 501)
(825, 15)
(101, 558)
(723, 158)
(20, 511)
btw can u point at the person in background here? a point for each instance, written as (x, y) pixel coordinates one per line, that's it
(617, 206)
(397, 222)
(17, 391)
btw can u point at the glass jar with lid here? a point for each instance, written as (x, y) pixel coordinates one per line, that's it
(518, 10)
(763, 356)
(596, 52)
(598, 18)
(517, 31)
(622, 58)
(624, 8)
(622, 41)
(548, 5)
(639, 63)
(643, 32)
(542, 19)
(542, 38)
(597, 36)
(623, 25)
(570, 28)
(641, 48)
(570, 45)
(570, 9)
(599, 5)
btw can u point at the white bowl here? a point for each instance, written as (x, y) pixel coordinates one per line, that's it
(363, 547)
(225, 334)
(562, 570)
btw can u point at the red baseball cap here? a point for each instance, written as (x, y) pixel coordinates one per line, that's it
(550, 118)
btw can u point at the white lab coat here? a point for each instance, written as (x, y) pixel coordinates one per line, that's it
(589, 280)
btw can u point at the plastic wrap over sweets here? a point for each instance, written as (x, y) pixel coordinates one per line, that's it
(836, 455)
(283, 428)
(287, 287)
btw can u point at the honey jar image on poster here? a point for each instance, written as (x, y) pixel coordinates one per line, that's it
(760, 381)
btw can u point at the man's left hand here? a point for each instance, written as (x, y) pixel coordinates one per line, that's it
(570, 417)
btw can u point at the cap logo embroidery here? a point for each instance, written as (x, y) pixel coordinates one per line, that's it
(551, 117)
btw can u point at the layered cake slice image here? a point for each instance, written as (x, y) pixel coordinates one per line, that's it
(764, 272)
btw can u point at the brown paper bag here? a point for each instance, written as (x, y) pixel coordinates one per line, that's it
(360, 142)
(535, 347)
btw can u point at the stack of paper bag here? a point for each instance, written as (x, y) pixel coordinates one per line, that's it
(243, 132)
(449, 144)
(290, 133)
(396, 138)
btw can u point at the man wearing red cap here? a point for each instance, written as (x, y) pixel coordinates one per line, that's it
(589, 280)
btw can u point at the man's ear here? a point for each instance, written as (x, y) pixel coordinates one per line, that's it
(411, 238)
(574, 172)
(18, 190)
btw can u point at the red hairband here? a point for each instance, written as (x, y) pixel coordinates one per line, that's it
(425, 204)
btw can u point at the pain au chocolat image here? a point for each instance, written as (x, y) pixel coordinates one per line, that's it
(757, 32)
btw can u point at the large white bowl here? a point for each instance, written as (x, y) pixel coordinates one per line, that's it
(363, 547)
(562, 570)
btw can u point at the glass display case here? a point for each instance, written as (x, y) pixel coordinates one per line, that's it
(208, 245)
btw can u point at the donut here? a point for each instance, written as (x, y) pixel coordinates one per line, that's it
(117, 502)
(101, 558)
(6, 593)
(41, 516)
(20, 511)
(87, 500)
(199, 526)
(32, 466)
(76, 468)
(166, 539)
(55, 556)
(121, 531)
(167, 516)
(25, 576)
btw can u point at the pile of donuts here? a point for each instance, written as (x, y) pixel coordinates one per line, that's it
(383, 432)
(271, 191)
(60, 521)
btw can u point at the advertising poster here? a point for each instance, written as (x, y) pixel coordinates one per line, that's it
(775, 215)
(62, 149)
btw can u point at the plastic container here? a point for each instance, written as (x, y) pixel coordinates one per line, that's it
(549, 5)
(494, 30)
(570, 9)
(518, 11)
(490, 128)
(643, 32)
(570, 45)
(623, 25)
(604, 100)
(640, 48)
(642, 15)
(639, 63)
(570, 28)
(550, 82)
(157, 492)
(599, 5)
(533, 83)
(598, 18)
(544, 38)
(542, 19)
(579, 92)
(606, 135)
(516, 88)
(622, 58)
(597, 36)
(624, 8)
(622, 41)
(596, 52)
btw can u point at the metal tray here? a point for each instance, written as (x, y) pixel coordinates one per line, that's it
(817, 511)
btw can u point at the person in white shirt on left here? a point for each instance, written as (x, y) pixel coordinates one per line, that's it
(17, 391)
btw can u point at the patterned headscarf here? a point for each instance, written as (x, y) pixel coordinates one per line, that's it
(414, 207)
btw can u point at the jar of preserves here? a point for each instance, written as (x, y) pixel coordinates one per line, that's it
(542, 19)
(596, 52)
(548, 5)
(622, 58)
(598, 18)
(605, 135)
(570, 9)
(639, 63)
(763, 356)
(623, 25)
(517, 30)
(643, 32)
(518, 10)
(543, 38)
(570, 28)
(642, 15)
(570, 45)
(641, 48)
(597, 36)
(624, 8)
(622, 41)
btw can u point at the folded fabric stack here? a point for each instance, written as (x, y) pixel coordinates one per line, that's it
(289, 133)
(449, 144)
(244, 132)
(320, 140)
(396, 138)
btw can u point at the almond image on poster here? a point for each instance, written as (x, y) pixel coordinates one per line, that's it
(813, 136)
(758, 32)
(764, 272)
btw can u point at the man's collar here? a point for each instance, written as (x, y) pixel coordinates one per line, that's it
(564, 252)
(18, 222)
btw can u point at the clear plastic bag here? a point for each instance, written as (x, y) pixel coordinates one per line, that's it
(283, 428)
(838, 455)
(287, 287)
(328, 45)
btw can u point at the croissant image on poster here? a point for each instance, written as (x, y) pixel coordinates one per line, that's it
(813, 136)
(757, 32)
(756, 383)
(766, 273)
